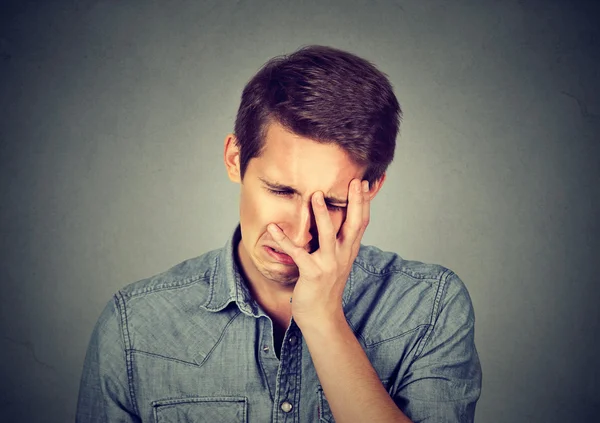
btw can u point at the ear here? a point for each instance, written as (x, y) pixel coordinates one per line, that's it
(231, 156)
(376, 186)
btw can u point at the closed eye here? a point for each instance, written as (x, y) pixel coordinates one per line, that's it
(280, 193)
(333, 208)
(284, 193)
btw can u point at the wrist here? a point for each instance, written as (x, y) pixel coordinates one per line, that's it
(322, 325)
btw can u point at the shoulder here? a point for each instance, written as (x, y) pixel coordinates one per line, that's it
(378, 262)
(158, 313)
(386, 288)
(374, 266)
(195, 273)
(172, 293)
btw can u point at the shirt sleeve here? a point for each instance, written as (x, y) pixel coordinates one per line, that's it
(443, 383)
(104, 392)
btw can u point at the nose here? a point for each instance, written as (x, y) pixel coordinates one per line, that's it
(303, 228)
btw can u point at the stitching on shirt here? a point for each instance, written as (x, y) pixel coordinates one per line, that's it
(434, 312)
(165, 402)
(394, 269)
(129, 350)
(220, 337)
(220, 306)
(298, 379)
(174, 402)
(358, 335)
(213, 277)
(120, 303)
(397, 336)
(261, 360)
(241, 299)
(189, 363)
(165, 286)
(374, 344)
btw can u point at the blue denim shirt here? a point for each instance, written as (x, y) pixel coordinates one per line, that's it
(191, 345)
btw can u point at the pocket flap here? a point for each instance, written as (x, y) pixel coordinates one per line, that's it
(201, 410)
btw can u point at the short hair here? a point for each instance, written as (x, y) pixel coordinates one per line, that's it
(326, 95)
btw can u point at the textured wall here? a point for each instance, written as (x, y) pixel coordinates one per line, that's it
(112, 120)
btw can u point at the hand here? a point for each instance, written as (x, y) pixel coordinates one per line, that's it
(323, 274)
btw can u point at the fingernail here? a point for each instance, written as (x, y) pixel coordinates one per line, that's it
(273, 228)
(319, 198)
(357, 186)
(365, 186)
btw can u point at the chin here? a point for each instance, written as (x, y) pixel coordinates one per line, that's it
(286, 281)
(286, 277)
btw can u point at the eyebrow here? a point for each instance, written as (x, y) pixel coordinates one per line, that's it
(331, 199)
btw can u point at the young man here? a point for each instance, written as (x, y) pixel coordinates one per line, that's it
(293, 320)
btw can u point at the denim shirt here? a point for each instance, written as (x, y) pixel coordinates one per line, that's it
(191, 345)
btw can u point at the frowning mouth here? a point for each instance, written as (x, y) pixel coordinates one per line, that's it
(279, 255)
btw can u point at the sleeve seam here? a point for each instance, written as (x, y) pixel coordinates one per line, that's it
(120, 302)
(441, 291)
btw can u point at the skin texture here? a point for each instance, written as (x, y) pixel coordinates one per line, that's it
(306, 166)
(323, 242)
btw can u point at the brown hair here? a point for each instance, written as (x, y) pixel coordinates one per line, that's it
(327, 95)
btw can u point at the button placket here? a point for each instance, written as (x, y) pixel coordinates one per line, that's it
(289, 375)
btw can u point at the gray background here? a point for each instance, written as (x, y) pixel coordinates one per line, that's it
(113, 116)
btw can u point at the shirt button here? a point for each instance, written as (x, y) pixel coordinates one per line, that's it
(266, 348)
(293, 340)
(286, 407)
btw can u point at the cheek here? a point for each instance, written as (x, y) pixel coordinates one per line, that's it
(260, 209)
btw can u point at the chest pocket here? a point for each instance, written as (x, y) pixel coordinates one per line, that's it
(201, 410)
(324, 412)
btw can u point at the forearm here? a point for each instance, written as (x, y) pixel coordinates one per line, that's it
(350, 383)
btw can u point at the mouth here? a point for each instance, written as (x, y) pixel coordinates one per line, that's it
(279, 255)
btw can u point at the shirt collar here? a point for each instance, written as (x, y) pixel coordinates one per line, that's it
(227, 283)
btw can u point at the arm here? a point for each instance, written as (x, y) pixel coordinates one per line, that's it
(442, 384)
(443, 381)
(351, 385)
(104, 394)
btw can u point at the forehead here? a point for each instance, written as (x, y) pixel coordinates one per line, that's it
(304, 163)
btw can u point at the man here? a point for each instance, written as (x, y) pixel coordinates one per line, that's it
(293, 320)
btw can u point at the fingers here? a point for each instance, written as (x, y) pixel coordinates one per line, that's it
(353, 222)
(366, 212)
(359, 211)
(298, 254)
(356, 222)
(325, 228)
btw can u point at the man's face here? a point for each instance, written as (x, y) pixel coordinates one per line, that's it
(277, 188)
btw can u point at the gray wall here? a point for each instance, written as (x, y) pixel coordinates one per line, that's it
(112, 120)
